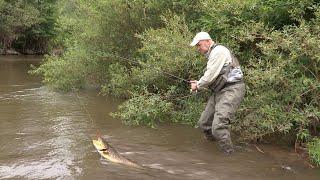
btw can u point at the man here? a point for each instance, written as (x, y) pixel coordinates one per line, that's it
(224, 77)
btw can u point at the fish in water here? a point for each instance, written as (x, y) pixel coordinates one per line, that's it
(108, 152)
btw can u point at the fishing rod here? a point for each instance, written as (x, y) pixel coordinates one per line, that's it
(150, 66)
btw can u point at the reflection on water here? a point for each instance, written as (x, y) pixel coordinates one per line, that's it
(47, 135)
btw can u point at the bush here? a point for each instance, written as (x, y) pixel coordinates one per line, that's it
(314, 151)
(148, 109)
(189, 108)
(27, 25)
(284, 88)
(165, 51)
(62, 74)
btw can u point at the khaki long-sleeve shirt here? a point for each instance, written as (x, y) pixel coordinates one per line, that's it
(217, 57)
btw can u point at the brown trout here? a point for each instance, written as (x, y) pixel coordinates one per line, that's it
(111, 154)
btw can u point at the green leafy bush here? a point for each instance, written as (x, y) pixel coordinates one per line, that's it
(62, 74)
(27, 25)
(314, 150)
(148, 109)
(189, 108)
(164, 50)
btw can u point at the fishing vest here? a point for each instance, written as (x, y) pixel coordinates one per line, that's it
(222, 78)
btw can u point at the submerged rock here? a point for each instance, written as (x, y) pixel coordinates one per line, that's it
(9, 52)
(29, 52)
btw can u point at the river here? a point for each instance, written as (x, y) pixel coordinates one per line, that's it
(48, 135)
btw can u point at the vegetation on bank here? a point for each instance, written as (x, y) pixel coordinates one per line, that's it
(123, 45)
(27, 26)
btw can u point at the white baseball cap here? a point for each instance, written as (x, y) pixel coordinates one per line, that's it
(200, 36)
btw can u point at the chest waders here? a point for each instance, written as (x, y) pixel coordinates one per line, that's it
(221, 107)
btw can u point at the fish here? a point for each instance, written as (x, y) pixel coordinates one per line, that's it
(111, 154)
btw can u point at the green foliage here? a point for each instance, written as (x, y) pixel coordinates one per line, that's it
(188, 108)
(314, 151)
(62, 74)
(159, 54)
(38, 37)
(164, 50)
(15, 17)
(81, 61)
(120, 82)
(27, 25)
(148, 109)
(285, 84)
(105, 30)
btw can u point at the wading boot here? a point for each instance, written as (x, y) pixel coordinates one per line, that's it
(208, 135)
(226, 147)
(228, 151)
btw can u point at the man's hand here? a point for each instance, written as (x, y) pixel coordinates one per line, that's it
(193, 84)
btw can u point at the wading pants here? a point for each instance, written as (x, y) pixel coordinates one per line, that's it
(220, 110)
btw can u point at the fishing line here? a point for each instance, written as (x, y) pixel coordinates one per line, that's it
(84, 108)
(158, 70)
(149, 66)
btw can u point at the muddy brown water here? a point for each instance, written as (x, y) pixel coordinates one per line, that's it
(47, 135)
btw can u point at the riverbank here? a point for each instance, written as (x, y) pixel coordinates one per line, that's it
(54, 52)
(9, 52)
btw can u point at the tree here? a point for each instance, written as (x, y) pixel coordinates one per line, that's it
(15, 18)
(27, 24)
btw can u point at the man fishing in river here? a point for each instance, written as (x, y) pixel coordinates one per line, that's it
(224, 78)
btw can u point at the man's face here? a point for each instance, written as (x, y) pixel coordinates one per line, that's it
(203, 46)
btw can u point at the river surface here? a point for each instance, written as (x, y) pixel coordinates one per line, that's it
(48, 135)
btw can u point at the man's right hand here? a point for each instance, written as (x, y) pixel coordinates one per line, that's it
(193, 85)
